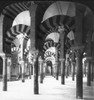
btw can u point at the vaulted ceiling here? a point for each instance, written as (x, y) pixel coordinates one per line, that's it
(20, 5)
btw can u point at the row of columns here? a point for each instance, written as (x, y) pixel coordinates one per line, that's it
(78, 50)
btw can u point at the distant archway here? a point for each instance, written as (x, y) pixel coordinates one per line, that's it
(49, 67)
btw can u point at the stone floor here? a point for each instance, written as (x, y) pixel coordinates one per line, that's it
(51, 89)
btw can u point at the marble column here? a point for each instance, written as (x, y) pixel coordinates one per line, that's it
(78, 42)
(73, 65)
(35, 68)
(62, 71)
(23, 71)
(2, 54)
(9, 68)
(79, 75)
(73, 71)
(89, 71)
(4, 71)
(41, 70)
(62, 55)
(57, 67)
(33, 31)
(30, 69)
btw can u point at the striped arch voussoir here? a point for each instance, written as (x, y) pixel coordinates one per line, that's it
(50, 43)
(53, 23)
(16, 30)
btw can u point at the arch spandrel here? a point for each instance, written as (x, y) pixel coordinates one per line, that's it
(22, 18)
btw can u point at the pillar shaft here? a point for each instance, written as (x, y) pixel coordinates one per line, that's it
(34, 22)
(4, 73)
(30, 70)
(62, 71)
(73, 65)
(73, 71)
(62, 56)
(23, 71)
(44, 69)
(66, 71)
(8, 68)
(89, 73)
(41, 71)
(84, 69)
(36, 86)
(56, 61)
(79, 76)
(57, 70)
(80, 10)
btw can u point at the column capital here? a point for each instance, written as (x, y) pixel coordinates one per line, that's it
(2, 55)
(35, 54)
(40, 61)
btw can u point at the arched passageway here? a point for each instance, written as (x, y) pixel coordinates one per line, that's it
(66, 26)
(49, 70)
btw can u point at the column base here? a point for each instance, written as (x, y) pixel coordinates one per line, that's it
(78, 97)
(62, 79)
(23, 80)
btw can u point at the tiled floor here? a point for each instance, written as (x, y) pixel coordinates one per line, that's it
(51, 89)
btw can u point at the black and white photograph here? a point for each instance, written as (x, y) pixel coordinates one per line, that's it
(47, 50)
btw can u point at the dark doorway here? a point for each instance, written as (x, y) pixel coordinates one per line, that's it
(49, 67)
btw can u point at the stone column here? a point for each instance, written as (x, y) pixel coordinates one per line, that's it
(67, 69)
(2, 54)
(62, 71)
(4, 71)
(41, 69)
(57, 67)
(9, 68)
(23, 71)
(80, 10)
(79, 76)
(73, 66)
(62, 56)
(44, 69)
(67, 65)
(22, 60)
(33, 31)
(89, 71)
(30, 70)
(73, 71)
(85, 69)
(35, 68)
(57, 70)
